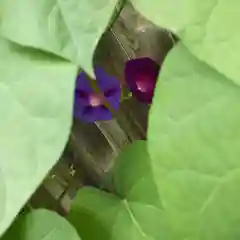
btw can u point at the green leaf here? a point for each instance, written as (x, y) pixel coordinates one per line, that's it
(68, 28)
(193, 141)
(36, 93)
(41, 225)
(209, 28)
(134, 213)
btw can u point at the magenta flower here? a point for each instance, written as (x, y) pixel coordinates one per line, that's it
(90, 106)
(141, 76)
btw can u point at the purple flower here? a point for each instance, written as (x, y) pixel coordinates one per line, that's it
(90, 106)
(141, 76)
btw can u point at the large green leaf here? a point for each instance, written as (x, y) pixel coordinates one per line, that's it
(41, 225)
(209, 28)
(36, 94)
(134, 213)
(70, 28)
(193, 141)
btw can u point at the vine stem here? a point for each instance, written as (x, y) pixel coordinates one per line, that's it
(116, 14)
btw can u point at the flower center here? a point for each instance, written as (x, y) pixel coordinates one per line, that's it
(96, 99)
(144, 83)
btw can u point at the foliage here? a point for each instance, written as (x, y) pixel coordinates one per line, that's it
(36, 89)
(207, 27)
(184, 182)
(41, 225)
(193, 133)
(34, 124)
(58, 26)
(134, 212)
(193, 141)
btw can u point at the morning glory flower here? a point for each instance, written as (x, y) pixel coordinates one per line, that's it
(89, 105)
(141, 76)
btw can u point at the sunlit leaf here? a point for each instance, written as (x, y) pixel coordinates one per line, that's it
(69, 28)
(193, 141)
(41, 225)
(36, 95)
(209, 28)
(134, 213)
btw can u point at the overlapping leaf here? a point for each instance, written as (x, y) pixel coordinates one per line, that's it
(207, 27)
(36, 93)
(69, 28)
(41, 225)
(134, 213)
(193, 141)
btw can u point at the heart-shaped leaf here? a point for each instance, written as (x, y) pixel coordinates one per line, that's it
(193, 141)
(36, 94)
(134, 213)
(208, 28)
(41, 225)
(69, 28)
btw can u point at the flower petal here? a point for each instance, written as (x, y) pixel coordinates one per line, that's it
(141, 76)
(113, 97)
(82, 82)
(141, 66)
(110, 86)
(82, 90)
(104, 81)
